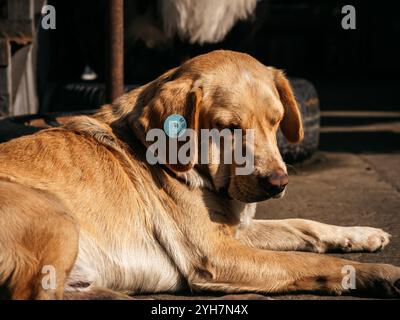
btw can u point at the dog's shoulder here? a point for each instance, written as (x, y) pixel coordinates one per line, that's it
(98, 130)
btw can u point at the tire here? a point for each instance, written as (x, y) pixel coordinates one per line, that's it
(77, 96)
(308, 101)
(18, 126)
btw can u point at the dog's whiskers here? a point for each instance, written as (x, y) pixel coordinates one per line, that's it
(292, 168)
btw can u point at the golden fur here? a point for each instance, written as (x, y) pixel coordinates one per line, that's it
(83, 199)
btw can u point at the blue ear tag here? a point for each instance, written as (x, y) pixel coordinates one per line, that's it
(175, 125)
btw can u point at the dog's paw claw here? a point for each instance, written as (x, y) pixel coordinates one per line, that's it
(364, 239)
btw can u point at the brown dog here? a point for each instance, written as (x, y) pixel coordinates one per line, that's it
(82, 210)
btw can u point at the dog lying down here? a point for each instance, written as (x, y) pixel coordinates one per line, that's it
(82, 211)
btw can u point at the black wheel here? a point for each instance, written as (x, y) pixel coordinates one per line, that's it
(307, 97)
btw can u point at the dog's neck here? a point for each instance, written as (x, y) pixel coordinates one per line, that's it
(240, 213)
(194, 179)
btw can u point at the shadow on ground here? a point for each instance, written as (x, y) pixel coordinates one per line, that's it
(360, 142)
(360, 132)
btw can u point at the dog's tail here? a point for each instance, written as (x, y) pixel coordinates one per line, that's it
(16, 264)
(38, 242)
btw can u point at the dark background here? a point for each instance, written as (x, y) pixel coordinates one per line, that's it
(353, 179)
(357, 69)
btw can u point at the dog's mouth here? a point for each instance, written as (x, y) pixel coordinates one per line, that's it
(248, 194)
(279, 195)
(224, 193)
(245, 191)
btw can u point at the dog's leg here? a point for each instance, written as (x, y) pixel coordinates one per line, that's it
(307, 235)
(233, 267)
(38, 242)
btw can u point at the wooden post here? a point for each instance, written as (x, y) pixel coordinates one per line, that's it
(115, 49)
(5, 78)
(16, 25)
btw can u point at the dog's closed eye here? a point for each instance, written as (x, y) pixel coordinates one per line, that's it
(230, 126)
(275, 120)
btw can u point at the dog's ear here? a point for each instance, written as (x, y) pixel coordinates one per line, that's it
(174, 97)
(291, 124)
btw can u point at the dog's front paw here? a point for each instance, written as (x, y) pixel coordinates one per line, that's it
(362, 239)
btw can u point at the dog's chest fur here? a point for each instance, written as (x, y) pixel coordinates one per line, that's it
(133, 268)
(143, 262)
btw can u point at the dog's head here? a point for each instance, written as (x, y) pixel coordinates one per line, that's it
(227, 90)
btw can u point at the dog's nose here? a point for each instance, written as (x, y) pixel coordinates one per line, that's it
(275, 182)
